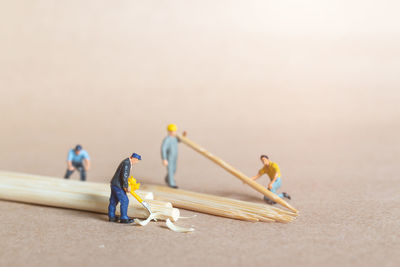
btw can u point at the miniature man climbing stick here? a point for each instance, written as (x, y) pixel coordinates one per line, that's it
(274, 173)
(119, 188)
(169, 154)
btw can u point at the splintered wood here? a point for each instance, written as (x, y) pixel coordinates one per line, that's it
(163, 201)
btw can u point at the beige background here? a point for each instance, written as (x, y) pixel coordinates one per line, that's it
(313, 84)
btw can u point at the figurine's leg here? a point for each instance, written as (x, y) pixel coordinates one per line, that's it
(83, 174)
(82, 171)
(174, 168)
(113, 204)
(68, 174)
(171, 171)
(124, 200)
(276, 186)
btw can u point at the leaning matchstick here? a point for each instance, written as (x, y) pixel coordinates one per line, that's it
(236, 173)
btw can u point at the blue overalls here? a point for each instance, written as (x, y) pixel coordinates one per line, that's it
(169, 152)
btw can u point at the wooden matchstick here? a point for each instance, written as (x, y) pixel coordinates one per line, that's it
(64, 184)
(85, 195)
(72, 198)
(236, 173)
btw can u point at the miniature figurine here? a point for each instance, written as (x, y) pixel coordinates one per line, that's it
(274, 173)
(169, 154)
(119, 188)
(78, 159)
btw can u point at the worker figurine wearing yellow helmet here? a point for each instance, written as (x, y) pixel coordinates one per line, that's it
(169, 154)
(272, 170)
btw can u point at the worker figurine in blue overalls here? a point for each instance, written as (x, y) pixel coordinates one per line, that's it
(272, 170)
(78, 159)
(119, 188)
(169, 154)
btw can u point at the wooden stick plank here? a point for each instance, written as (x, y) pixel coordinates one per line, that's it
(66, 184)
(78, 201)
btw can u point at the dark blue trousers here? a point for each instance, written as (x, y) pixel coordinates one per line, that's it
(118, 195)
(79, 166)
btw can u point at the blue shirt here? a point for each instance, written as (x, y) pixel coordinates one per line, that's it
(169, 148)
(78, 158)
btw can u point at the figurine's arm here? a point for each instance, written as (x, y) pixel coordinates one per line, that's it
(69, 161)
(164, 149)
(273, 181)
(87, 164)
(86, 161)
(256, 176)
(259, 174)
(125, 176)
(70, 167)
(184, 134)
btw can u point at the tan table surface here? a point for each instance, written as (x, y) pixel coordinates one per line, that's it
(315, 89)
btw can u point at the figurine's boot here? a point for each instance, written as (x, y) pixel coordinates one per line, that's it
(169, 179)
(269, 201)
(170, 185)
(115, 219)
(126, 220)
(286, 195)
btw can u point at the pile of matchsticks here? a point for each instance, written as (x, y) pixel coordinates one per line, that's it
(221, 206)
(93, 197)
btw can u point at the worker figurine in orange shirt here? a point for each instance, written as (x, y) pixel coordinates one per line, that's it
(274, 173)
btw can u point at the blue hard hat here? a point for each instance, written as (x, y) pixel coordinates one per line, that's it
(78, 147)
(137, 156)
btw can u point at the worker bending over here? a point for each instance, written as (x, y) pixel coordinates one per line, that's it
(119, 188)
(78, 159)
(274, 173)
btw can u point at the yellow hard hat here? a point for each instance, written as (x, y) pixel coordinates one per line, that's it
(172, 128)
